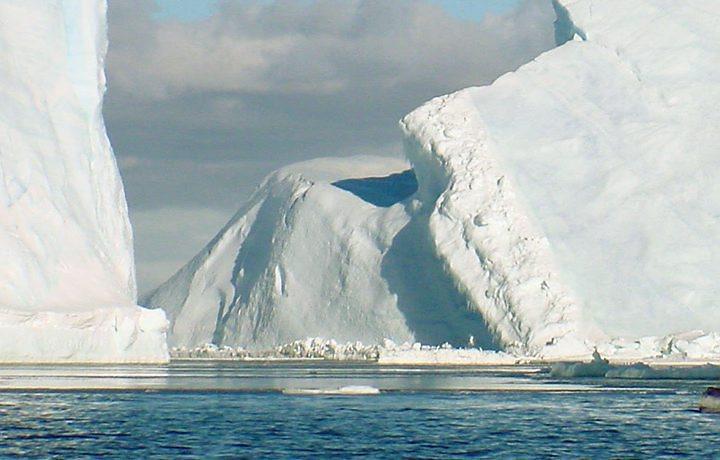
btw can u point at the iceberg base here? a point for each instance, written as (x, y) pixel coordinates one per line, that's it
(118, 335)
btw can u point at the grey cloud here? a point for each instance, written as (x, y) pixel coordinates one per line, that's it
(199, 112)
(323, 47)
(165, 243)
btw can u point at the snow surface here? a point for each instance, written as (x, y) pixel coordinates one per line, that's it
(301, 258)
(67, 290)
(578, 199)
(121, 335)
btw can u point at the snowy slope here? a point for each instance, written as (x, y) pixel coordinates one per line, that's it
(578, 198)
(68, 273)
(323, 248)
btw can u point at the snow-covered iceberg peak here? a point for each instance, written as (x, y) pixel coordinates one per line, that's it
(579, 197)
(65, 237)
(303, 256)
(324, 248)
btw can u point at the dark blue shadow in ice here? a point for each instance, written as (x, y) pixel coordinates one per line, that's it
(382, 191)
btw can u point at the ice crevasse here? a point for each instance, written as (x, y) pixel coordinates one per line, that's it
(67, 281)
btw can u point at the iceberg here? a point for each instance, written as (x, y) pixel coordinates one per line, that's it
(68, 291)
(324, 248)
(301, 258)
(573, 204)
(577, 199)
(321, 249)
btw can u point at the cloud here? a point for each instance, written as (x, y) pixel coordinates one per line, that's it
(199, 111)
(327, 47)
(171, 235)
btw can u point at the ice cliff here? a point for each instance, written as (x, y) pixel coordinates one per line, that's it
(573, 203)
(578, 198)
(67, 282)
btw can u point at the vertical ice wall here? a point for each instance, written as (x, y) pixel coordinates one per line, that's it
(582, 190)
(65, 237)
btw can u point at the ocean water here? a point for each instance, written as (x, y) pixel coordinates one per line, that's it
(236, 410)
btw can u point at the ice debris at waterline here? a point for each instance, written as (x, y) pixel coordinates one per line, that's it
(601, 368)
(571, 204)
(67, 281)
(314, 348)
(672, 361)
(387, 353)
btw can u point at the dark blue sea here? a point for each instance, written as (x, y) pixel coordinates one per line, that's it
(242, 410)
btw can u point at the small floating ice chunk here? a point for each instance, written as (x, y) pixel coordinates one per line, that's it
(598, 367)
(710, 401)
(643, 371)
(351, 390)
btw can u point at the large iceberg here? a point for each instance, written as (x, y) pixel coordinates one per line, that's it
(572, 204)
(67, 282)
(579, 198)
(323, 248)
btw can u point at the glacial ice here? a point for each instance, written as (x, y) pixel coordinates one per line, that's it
(67, 282)
(311, 255)
(571, 205)
(578, 199)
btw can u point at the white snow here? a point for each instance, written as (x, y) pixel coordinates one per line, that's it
(326, 248)
(578, 199)
(120, 335)
(67, 282)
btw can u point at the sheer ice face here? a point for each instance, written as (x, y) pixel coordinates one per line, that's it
(67, 282)
(579, 197)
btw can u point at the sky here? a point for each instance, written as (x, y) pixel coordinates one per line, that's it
(206, 97)
(192, 10)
